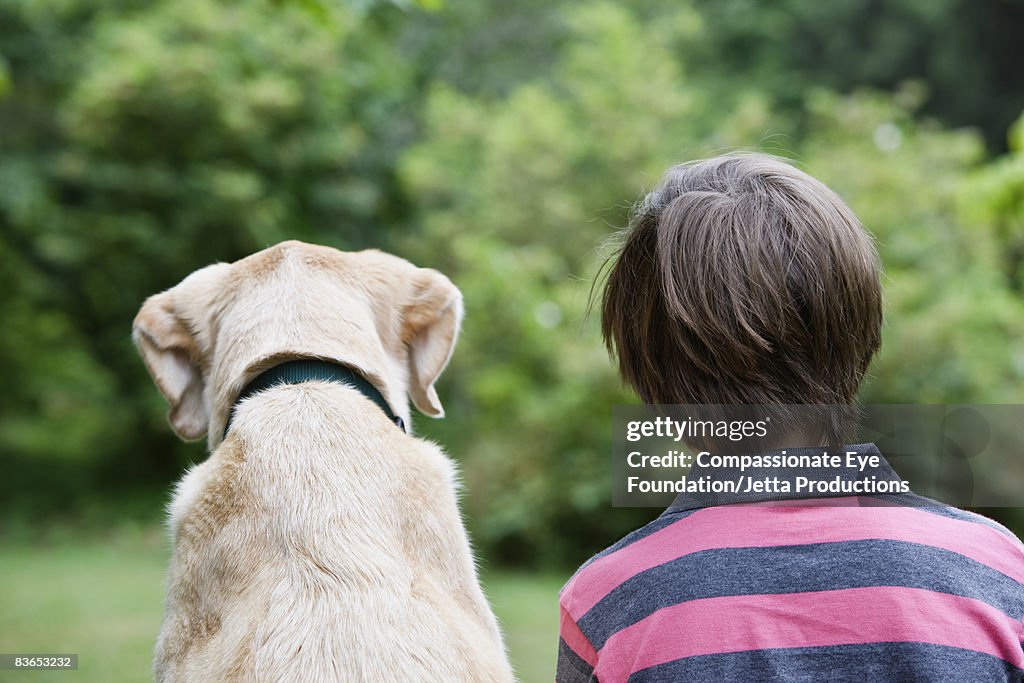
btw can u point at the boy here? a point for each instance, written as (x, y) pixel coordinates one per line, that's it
(744, 281)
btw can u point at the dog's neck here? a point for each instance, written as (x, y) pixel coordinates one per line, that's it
(312, 370)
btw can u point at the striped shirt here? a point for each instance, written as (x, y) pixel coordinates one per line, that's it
(887, 588)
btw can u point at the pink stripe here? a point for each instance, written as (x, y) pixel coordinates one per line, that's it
(757, 526)
(574, 638)
(842, 617)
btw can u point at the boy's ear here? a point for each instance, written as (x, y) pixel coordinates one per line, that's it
(171, 356)
(431, 321)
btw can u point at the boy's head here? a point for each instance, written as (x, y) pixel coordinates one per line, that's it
(744, 281)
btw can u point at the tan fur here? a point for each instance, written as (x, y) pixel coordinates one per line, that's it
(318, 542)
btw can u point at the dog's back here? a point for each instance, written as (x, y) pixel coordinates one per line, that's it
(320, 543)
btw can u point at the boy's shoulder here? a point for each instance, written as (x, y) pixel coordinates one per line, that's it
(600, 565)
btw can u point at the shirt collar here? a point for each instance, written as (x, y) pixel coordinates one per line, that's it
(881, 472)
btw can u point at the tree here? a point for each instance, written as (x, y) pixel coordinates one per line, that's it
(141, 141)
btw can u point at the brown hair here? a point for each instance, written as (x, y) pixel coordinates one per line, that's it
(745, 281)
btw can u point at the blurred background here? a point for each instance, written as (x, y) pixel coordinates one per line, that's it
(501, 143)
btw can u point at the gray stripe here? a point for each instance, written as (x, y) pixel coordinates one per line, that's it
(798, 569)
(571, 666)
(871, 663)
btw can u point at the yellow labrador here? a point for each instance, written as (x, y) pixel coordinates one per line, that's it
(319, 541)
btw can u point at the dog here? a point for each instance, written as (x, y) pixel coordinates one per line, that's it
(320, 540)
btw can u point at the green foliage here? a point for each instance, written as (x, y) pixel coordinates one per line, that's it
(963, 51)
(181, 133)
(5, 76)
(902, 179)
(995, 197)
(510, 188)
(501, 143)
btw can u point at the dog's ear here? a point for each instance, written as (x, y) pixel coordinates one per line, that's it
(169, 349)
(430, 325)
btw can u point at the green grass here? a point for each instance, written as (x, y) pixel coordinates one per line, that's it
(527, 606)
(103, 600)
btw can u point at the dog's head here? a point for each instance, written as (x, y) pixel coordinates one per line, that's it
(206, 338)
